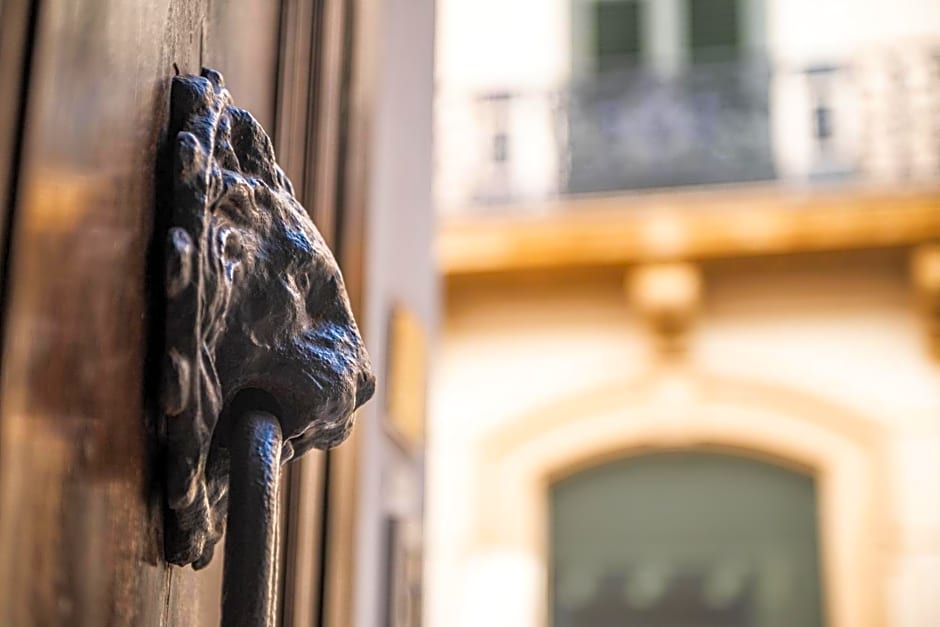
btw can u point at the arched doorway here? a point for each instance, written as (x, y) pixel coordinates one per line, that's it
(519, 464)
(685, 539)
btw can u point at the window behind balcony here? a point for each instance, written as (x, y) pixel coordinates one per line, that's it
(617, 34)
(663, 35)
(714, 30)
(667, 93)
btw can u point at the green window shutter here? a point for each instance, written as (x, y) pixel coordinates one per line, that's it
(616, 34)
(714, 30)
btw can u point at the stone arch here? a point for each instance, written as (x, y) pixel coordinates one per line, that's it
(678, 410)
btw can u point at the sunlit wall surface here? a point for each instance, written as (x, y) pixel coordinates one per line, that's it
(815, 362)
(690, 277)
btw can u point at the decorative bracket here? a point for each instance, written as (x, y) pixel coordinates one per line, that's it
(257, 316)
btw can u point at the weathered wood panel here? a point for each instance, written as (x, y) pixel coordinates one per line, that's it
(80, 508)
(15, 44)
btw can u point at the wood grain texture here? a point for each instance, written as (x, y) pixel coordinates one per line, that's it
(356, 27)
(79, 536)
(299, 95)
(80, 532)
(15, 46)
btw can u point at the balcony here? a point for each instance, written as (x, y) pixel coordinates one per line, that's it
(636, 130)
(821, 155)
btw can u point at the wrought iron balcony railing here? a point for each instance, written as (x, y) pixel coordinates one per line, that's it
(869, 119)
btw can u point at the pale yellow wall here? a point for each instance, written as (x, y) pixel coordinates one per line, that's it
(818, 361)
(808, 30)
(521, 47)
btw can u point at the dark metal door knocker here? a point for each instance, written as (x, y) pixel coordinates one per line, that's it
(263, 357)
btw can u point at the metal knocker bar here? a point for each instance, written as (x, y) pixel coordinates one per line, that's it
(250, 567)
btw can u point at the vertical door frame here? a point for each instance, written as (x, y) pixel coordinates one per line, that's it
(357, 31)
(321, 136)
(17, 25)
(301, 487)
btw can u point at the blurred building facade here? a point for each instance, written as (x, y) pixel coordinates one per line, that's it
(538, 100)
(688, 366)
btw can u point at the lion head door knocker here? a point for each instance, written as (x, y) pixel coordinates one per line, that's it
(257, 312)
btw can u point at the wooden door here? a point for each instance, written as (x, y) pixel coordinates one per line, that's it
(80, 491)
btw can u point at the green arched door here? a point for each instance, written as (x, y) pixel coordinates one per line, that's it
(688, 539)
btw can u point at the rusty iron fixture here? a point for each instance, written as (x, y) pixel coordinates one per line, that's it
(248, 578)
(263, 359)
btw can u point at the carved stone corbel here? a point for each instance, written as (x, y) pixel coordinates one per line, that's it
(257, 315)
(667, 297)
